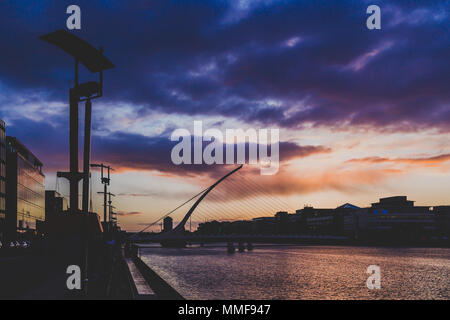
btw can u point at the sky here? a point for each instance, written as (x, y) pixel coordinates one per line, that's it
(362, 114)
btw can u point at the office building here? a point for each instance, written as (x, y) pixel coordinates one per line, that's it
(25, 189)
(393, 217)
(330, 221)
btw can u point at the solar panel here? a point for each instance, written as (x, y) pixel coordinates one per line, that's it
(87, 54)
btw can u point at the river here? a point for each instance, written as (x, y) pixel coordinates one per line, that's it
(303, 272)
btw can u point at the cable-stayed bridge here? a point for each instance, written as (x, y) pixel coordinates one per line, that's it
(233, 197)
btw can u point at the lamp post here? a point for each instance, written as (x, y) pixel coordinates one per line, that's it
(112, 216)
(111, 207)
(105, 179)
(95, 62)
(107, 204)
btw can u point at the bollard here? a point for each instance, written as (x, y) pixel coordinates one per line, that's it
(230, 247)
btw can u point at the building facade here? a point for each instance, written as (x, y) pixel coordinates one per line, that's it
(2, 178)
(25, 189)
(442, 216)
(393, 218)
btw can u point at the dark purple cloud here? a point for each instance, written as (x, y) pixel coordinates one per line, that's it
(137, 152)
(211, 58)
(126, 151)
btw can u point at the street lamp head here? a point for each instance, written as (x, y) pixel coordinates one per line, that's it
(88, 89)
(81, 50)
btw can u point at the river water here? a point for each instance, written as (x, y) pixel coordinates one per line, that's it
(303, 272)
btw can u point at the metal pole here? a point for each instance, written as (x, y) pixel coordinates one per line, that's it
(73, 177)
(85, 202)
(109, 202)
(101, 76)
(105, 218)
(87, 155)
(105, 178)
(76, 73)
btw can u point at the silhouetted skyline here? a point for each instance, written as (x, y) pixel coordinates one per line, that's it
(362, 114)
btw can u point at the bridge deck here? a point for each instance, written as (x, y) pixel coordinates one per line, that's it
(254, 238)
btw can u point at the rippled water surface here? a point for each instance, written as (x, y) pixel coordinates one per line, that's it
(303, 272)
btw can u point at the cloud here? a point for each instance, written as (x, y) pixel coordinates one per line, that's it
(360, 62)
(137, 152)
(48, 142)
(128, 151)
(249, 184)
(290, 150)
(125, 213)
(137, 194)
(422, 161)
(278, 64)
(219, 58)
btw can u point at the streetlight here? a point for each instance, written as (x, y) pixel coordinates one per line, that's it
(107, 205)
(113, 216)
(105, 179)
(94, 60)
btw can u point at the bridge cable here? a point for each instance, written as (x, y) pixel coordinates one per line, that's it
(170, 212)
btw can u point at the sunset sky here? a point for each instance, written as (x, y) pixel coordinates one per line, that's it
(362, 114)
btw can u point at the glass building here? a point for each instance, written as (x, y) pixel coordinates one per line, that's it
(2, 178)
(25, 189)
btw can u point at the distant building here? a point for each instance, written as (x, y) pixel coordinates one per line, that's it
(25, 189)
(54, 204)
(348, 206)
(391, 220)
(393, 217)
(210, 227)
(442, 216)
(328, 221)
(283, 222)
(2, 178)
(168, 224)
(264, 225)
(237, 227)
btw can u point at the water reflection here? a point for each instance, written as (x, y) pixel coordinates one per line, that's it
(303, 272)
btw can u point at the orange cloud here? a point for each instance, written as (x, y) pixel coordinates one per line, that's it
(424, 161)
(249, 183)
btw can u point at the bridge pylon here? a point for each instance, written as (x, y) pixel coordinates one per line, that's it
(171, 236)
